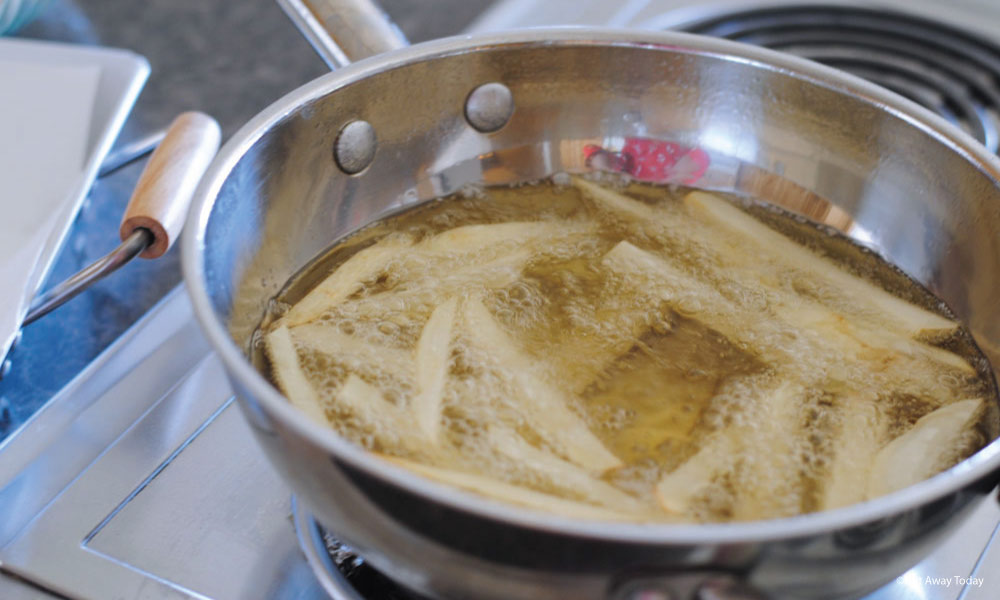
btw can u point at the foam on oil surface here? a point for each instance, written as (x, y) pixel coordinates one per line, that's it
(654, 368)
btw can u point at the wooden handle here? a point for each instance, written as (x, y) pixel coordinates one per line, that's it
(359, 27)
(166, 186)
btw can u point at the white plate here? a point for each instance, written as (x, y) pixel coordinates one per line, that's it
(71, 103)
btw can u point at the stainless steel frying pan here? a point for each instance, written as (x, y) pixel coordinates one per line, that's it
(403, 127)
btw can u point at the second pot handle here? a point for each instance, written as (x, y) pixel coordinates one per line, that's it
(344, 31)
(163, 193)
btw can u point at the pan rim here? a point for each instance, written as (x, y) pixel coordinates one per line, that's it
(983, 464)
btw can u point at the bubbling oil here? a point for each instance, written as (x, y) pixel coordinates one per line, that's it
(690, 375)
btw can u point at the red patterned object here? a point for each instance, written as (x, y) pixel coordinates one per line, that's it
(651, 160)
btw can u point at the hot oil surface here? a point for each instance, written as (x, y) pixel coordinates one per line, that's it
(654, 379)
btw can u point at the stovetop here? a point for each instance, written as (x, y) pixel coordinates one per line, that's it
(139, 477)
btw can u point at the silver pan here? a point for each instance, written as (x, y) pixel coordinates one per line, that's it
(410, 128)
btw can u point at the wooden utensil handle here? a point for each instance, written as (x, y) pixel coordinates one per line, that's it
(166, 186)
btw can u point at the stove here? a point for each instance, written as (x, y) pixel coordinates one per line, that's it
(140, 479)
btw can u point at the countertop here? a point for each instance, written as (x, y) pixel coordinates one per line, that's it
(229, 59)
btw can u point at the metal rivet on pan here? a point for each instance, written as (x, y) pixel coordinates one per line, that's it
(489, 107)
(354, 148)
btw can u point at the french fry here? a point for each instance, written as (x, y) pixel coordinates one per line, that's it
(471, 238)
(289, 375)
(391, 424)
(859, 436)
(906, 317)
(493, 488)
(677, 489)
(920, 452)
(494, 274)
(855, 341)
(328, 339)
(687, 294)
(344, 281)
(367, 402)
(723, 315)
(545, 406)
(767, 482)
(559, 472)
(761, 451)
(432, 355)
(615, 202)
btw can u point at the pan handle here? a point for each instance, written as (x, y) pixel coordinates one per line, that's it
(166, 186)
(344, 31)
(155, 214)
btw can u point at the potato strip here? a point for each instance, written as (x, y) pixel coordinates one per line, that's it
(677, 490)
(514, 494)
(688, 295)
(432, 359)
(344, 281)
(288, 373)
(367, 402)
(353, 352)
(559, 472)
(859, 341)
(766, 482)
(472, 238)
(860, 434)
(615, 202)
(494, 274)
(921, 451)
(761, 451)
(543, 405)
(694, 298)
(906, 317)
(390, 424)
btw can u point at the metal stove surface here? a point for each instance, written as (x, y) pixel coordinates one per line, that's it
(141, 480)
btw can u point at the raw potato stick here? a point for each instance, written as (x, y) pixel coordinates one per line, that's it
(390, 423)
(472, 238)
(559, 472)
(432, 359)
(763, 451)
(766, 482)
(677, 489)
(344, 281)
(368, 403)
(544, 406)
(694, 298)
(911, 319)
(445, 268)
(876, 343)
(495, 274)
(688, 295)
(860, 434)
(288, 373)
(506, 492)
(907, 317)
(616, 202)
(327, 339)
(920, 452)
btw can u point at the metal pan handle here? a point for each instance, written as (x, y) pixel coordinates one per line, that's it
(344, 31)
